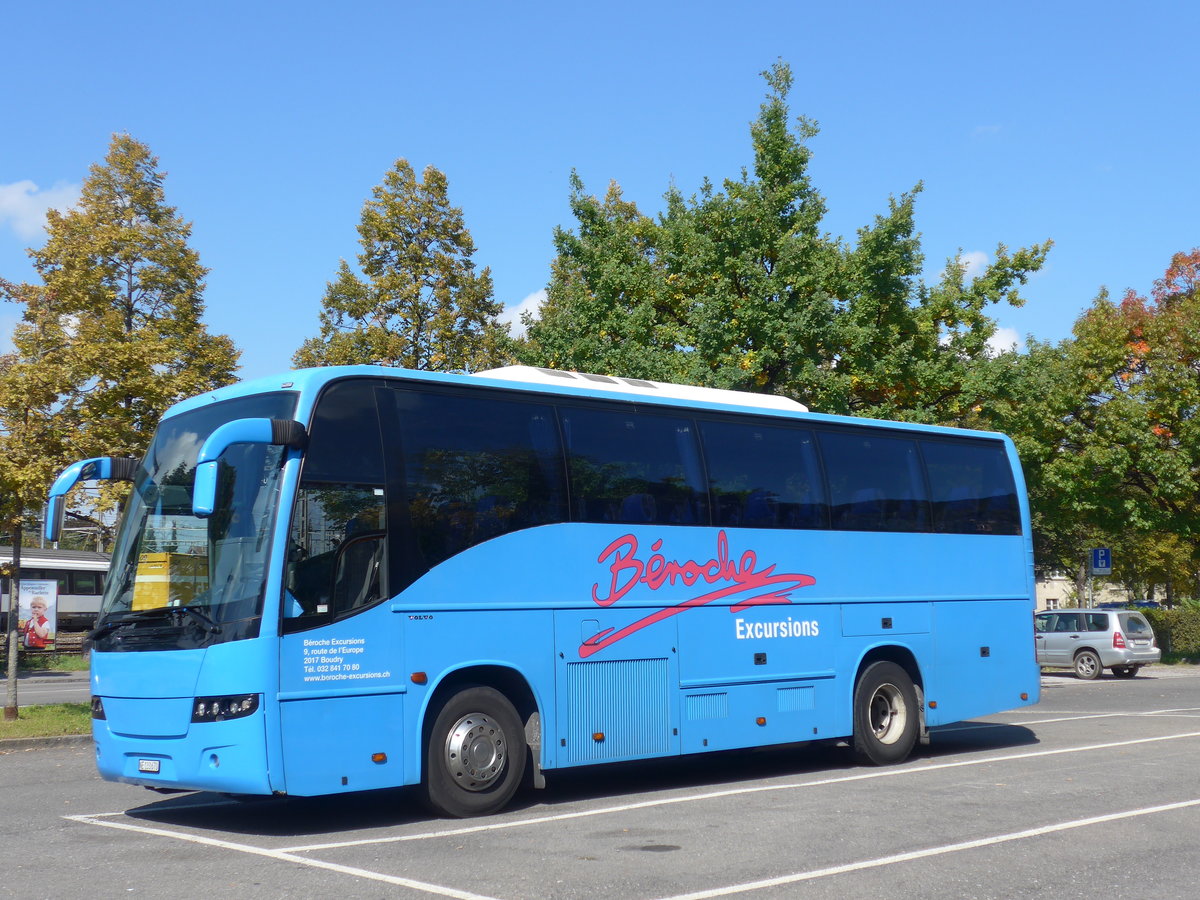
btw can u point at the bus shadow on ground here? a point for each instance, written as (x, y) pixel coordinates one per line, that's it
(1068, 675)
(975, 737)
(342, 815)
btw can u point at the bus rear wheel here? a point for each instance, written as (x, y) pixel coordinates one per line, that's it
(474, 754)
(886, 718)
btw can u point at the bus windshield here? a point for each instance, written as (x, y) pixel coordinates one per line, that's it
(182, 581)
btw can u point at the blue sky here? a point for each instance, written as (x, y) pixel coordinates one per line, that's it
(1025, 121)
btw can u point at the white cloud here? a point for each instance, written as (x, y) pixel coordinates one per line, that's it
(1005, 340)
(974, 263)
(512, 314)
(23, 205)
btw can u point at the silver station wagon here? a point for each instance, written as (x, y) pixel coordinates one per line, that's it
(1091, 640)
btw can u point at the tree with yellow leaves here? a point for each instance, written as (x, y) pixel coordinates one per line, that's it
(111, 336)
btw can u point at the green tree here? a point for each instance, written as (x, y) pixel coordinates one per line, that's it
(1160, 376)
(420, 303)
(1106, 423)
(740, 288)
(611, 306)
(1150, 562)
(1046, 413)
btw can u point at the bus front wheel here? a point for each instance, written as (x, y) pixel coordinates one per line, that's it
(474, 754)
(886, 718)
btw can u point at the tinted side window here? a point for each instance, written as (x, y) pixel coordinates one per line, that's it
(475, 467)
(1096, 621)
(344, 444)
(338, 537)
(971, 487)
(1043, 623)
(1068, 622)
(633, 467)
(764, 476)
(875, 482)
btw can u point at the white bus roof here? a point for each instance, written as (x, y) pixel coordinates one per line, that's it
(643, 387)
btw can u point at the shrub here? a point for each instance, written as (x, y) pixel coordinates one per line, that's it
(1177, 630)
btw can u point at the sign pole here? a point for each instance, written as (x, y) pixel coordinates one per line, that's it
(1100, 564)
(14, 588)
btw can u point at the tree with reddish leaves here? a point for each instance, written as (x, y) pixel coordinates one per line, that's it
(1108, 424)
(1182, 278)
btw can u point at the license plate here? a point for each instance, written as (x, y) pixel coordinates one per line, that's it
(149, 765)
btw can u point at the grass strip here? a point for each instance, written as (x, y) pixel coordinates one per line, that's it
(51, 720)
(47, 662)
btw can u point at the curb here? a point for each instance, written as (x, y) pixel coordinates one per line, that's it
(42, 743)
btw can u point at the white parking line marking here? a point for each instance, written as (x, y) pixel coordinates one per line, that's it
(1082, 717)
(1184, 711)
(283, 856)
(932, 851)
(1188, 711)
(733, 792)
(291, 854)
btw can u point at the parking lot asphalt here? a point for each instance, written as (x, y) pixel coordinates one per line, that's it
(1093, 792)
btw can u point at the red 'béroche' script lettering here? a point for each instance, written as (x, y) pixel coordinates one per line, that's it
(741, 579)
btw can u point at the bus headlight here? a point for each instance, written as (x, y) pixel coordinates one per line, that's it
(98, 708)
(218, 709)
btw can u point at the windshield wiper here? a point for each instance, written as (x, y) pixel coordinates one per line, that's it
(113, 623)
(209, 625)
(161, 612)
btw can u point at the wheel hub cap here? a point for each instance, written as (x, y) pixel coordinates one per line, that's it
(889, 714)
(476, 751)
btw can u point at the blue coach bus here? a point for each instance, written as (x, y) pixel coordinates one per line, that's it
(352, 578)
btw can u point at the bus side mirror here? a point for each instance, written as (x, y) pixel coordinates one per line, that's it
(287, 432)
(56, 508)
(100, 468)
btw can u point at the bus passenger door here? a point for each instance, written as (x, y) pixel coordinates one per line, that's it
(341, 691)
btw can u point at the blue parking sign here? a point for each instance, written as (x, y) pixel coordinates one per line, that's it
(1101, 561)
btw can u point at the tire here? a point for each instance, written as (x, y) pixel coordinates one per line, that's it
(1125, 671)
(474, 754)
(1087, 665)
(886, 718)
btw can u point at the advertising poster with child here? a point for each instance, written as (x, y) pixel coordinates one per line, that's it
(37, 613)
